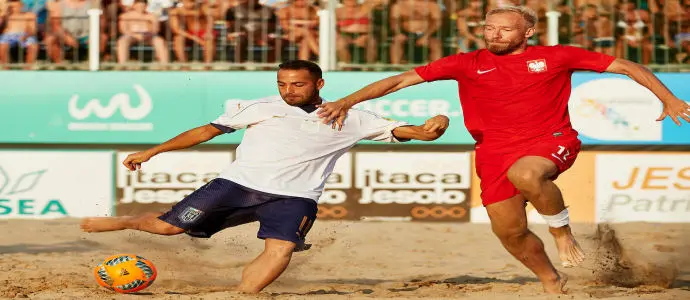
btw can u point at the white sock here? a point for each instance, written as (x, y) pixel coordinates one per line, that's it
(559, 220)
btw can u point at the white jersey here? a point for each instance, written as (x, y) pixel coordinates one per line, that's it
(287, 150)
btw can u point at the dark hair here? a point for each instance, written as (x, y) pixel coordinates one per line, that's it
(299, 64)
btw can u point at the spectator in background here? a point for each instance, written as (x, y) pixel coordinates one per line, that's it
(300, 24)
(415, 22)
(604, 41)
(113, 10)
(69, 25)
(192, 21)
(602, 5)
(40, 9)
(677, 12)
(252, 24)
(503, 3)
(633, 33)
(139, 26)
(354, 28)
(539, 7)
(275, 4)
(19, 31)
(585, 29)
(470, 24)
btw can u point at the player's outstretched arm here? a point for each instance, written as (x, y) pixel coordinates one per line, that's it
(673, 107)
(184, 140)
(336, 111)
(432, 129)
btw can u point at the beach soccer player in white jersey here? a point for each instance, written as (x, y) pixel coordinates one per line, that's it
(279, 173)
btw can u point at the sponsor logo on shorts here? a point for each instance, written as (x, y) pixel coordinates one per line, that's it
(190, 214)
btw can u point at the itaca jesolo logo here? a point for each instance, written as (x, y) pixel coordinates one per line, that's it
(11, 186)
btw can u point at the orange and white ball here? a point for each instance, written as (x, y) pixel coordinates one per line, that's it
(125, 273)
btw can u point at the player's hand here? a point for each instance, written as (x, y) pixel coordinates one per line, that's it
(435, 124)
(133, 161)
(676, 109)
(333, 112)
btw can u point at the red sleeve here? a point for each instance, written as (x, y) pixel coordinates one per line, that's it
(449, 67)
(580, 59)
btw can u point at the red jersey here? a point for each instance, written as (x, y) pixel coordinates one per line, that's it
(514, 99)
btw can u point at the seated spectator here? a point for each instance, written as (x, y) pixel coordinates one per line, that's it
(140, 26)
(19, 31)
(503, 3)
(601, 5)
(539, 7)
(585, 29)
(677, 29)
(414, 22)
(113, 10)
(252, 24)
(275, 4)
(192, 21)
(354, 28)
(633, 33)
(299, 23)
(40, 9)
(604, 40)
(470, 24)
(69, 26)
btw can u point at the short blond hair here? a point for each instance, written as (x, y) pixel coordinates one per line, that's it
(527, 13)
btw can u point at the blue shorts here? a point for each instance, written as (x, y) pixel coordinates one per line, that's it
(221, 204)
(14, 39)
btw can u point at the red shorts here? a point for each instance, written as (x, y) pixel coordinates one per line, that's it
(492, 164)
(202, 34)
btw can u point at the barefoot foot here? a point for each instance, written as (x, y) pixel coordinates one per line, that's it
(569, 250)
(102, 224)
(556, 286)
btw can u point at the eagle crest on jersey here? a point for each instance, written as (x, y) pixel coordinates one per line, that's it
(536, 66)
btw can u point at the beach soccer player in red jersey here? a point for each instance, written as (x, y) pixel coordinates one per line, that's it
(515, 103)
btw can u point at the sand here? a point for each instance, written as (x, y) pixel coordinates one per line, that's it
(348, 260)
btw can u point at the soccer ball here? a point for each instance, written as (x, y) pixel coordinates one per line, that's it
(125, 273)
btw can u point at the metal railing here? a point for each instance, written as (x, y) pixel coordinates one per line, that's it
(352, 35)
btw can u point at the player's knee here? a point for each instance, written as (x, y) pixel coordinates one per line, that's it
(524, 178)
(279, 248)
(511, 237)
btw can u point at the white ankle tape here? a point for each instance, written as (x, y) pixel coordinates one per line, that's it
(559, 220)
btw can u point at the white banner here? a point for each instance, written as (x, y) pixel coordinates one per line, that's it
(55, 184)
(643, 187)
(413, 177)
(615, 109)
(168, 177)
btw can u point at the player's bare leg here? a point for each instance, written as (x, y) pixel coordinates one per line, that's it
(509, 223)
(148, 222)
(266, 267)
(530, 175)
